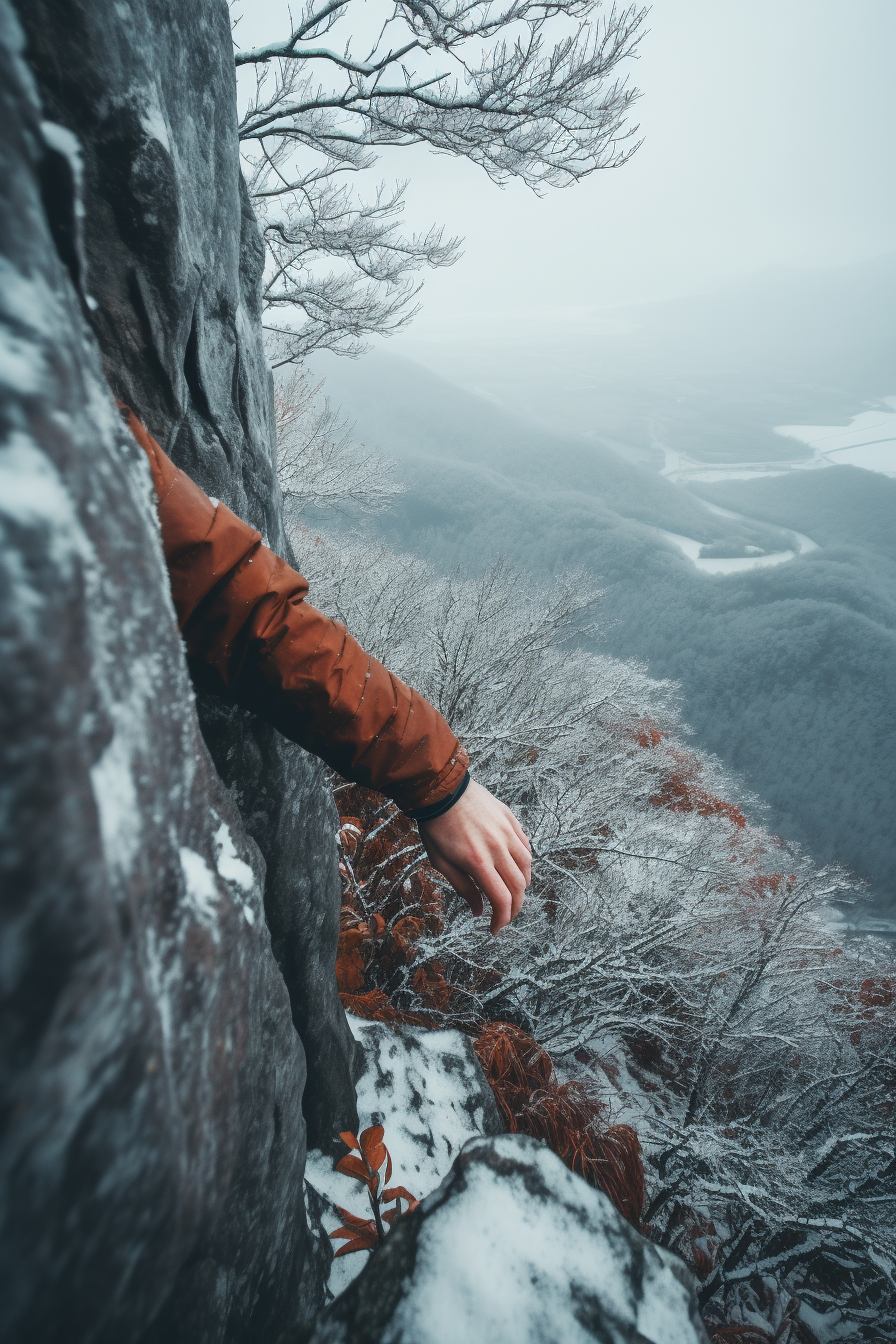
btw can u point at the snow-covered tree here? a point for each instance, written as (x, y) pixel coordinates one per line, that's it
(320, 464)
(526, 89)
(668, 948)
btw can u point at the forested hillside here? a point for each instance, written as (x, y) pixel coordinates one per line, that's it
(669, 988)
(786, 672)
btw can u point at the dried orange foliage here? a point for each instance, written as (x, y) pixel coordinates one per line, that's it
(682, 790)
(390, 900)
(872, 995)
(363, 1163)
(565, 1115)
(869, 1003)
(648, 735)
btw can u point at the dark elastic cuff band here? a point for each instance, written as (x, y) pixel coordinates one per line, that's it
(436, 809)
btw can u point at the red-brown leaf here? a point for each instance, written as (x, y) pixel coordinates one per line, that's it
(376, 1156)
(360, 1235)
(399, 1192)
(352, 1166)
(370, 1140)
(362, 1243)
(352, 1219)
(349, 1139)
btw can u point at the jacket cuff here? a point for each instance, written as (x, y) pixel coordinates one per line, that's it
(443, 805)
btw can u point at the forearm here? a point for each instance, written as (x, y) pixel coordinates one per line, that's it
(251, 636)
(309, 677)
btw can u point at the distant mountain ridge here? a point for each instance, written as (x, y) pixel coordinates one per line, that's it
(710, 375)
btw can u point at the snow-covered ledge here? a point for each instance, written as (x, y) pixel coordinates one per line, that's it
(427, 1090)
(513, 1248)
(508, 1246)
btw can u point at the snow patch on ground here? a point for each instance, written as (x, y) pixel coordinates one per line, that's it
(428, 1092)
(868, 441)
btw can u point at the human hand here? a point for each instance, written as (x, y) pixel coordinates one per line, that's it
(480, 847)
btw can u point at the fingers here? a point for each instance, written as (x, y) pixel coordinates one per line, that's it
(522, 858)
(505, 900)
(520, 833)
(515, 877)
(500, 899)
(462, 884)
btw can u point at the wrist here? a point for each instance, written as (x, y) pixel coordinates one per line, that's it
(438, 809)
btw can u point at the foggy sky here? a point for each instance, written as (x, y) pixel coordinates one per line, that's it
(767, 141)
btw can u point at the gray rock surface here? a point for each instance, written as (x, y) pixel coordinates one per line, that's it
(152, 1142)
(513, 1248)
(170, 256)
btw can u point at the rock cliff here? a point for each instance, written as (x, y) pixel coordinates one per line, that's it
(152, 1078)
(166, 255)
(171, 1039)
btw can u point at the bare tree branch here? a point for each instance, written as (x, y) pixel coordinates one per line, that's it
(529, 89)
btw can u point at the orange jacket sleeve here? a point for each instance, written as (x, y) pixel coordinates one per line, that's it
(252, 637)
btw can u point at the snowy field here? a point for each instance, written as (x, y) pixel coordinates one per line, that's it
(868, 441)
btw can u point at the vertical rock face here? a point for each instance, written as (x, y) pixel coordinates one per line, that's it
(170, 258)
(152, 1143)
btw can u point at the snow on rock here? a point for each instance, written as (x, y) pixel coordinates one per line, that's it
(153, 1073)
(427, 1090)
(137, 129)
(513, 1248)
